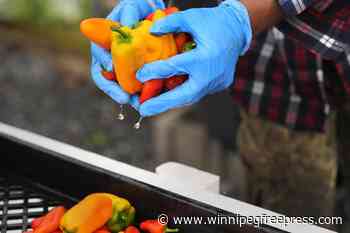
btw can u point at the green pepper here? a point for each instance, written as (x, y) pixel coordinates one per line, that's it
(189, 46)
(123, 214)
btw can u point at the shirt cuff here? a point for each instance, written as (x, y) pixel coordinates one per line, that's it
(294, 7)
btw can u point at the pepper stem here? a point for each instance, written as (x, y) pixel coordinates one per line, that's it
(189, 46)
(123, 34)
(171, 229)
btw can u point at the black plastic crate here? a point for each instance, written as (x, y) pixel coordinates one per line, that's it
(34, 178)
(20, 203)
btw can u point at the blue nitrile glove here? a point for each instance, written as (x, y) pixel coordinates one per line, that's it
(127, 12)
(221, 35)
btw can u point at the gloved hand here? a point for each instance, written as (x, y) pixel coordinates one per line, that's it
(127, 12)
(221, 34)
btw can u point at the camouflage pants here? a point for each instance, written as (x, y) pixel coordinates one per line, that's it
(290, 172)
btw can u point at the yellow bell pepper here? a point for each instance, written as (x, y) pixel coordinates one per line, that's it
(133, 47)
(88, 215)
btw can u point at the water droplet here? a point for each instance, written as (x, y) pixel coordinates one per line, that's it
(138, 123)
(121, 115)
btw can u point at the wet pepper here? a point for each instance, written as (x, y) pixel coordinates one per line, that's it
(123, 213)
(150, 89)
(154, 87)
(183, 44)
(133, 47)
(88, 215)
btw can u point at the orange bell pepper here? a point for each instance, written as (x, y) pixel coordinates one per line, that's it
(134, 47)
(98, 30)
(88, 215)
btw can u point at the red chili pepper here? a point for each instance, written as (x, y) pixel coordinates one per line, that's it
(108, 75)
(181, 39)
(150, 89)
(168, 11)
(104, 229)
(153, 226)
(154, 87)
(57, 231)
(171, 83)
(150, 17)
(36, 222)
(171, 10)
(51, 221)
(131, 229)
(28, 231)
(184, 46)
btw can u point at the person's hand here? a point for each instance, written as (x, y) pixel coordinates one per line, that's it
(127, 12)
(221, 35)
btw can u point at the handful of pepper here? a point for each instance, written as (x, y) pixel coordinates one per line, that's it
(133, 47)
(96, 213)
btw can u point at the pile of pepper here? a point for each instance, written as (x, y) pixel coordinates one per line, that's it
(96, 213)
(133, 47)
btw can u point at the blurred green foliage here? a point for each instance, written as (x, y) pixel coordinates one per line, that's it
(53, 21)
(45, 11)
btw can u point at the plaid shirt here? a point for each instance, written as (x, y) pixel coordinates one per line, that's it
(301, 69)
